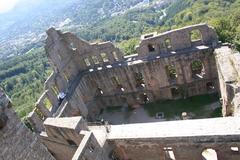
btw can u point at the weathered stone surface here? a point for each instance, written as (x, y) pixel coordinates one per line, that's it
(97, 75)
(229, 79)
(3, 120)
(16, 141)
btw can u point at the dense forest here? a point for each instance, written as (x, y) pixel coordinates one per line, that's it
(23, 76)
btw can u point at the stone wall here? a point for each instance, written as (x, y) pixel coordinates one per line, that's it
(176, 140)
(228, 64)
(98, 75)
(157, 84)
(176, 40)
(94, 76)
(69, 138)
(16, 141)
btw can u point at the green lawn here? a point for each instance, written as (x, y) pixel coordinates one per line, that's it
(196, 105)
(111, 109)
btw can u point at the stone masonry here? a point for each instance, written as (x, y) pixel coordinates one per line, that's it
(171, 65)
(98, 75)
(228, 63)
(17, 142)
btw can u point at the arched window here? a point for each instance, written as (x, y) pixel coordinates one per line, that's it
(139, 80)
(235, 149)
(87, 62)
(47, 103)
(116, 82)
(209, 154)
(99, 92)
(72, 46)
(210, 86)
(168, 44)
(95, 60)
(195, 35)
(104, 57)
(115, 56)
(171, 73)
(151, 48)
(169, 154)
(175, 92)
(144, 98)
(197, 69)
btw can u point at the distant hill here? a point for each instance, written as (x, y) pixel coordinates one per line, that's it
(24, 27)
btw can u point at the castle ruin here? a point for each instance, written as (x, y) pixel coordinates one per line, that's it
(170, 65)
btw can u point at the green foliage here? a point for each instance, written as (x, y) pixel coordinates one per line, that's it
(196, 65)
(23, 77)
(172, 108)
(216, 113)
(129, 46)
(171, 71)
(224, 15)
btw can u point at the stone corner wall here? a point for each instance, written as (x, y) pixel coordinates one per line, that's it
(16, 141)
(178, 39)
(228, 66)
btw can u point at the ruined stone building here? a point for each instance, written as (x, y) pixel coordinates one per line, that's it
(171, 65)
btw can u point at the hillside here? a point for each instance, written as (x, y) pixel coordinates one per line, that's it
(100, 20)
(24, 27)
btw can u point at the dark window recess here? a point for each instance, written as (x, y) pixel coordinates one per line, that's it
(175, 92)
(195, 35)
(151, 48)
(139, 80)
(99, 92)
(197, 69)
(168, 43)
(171, 73)
(71, 142)
(210, 86)
(91, 148)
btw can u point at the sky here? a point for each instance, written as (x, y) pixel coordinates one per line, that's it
(7, 5)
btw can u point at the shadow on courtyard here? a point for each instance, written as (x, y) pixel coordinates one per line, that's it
(197, 107)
